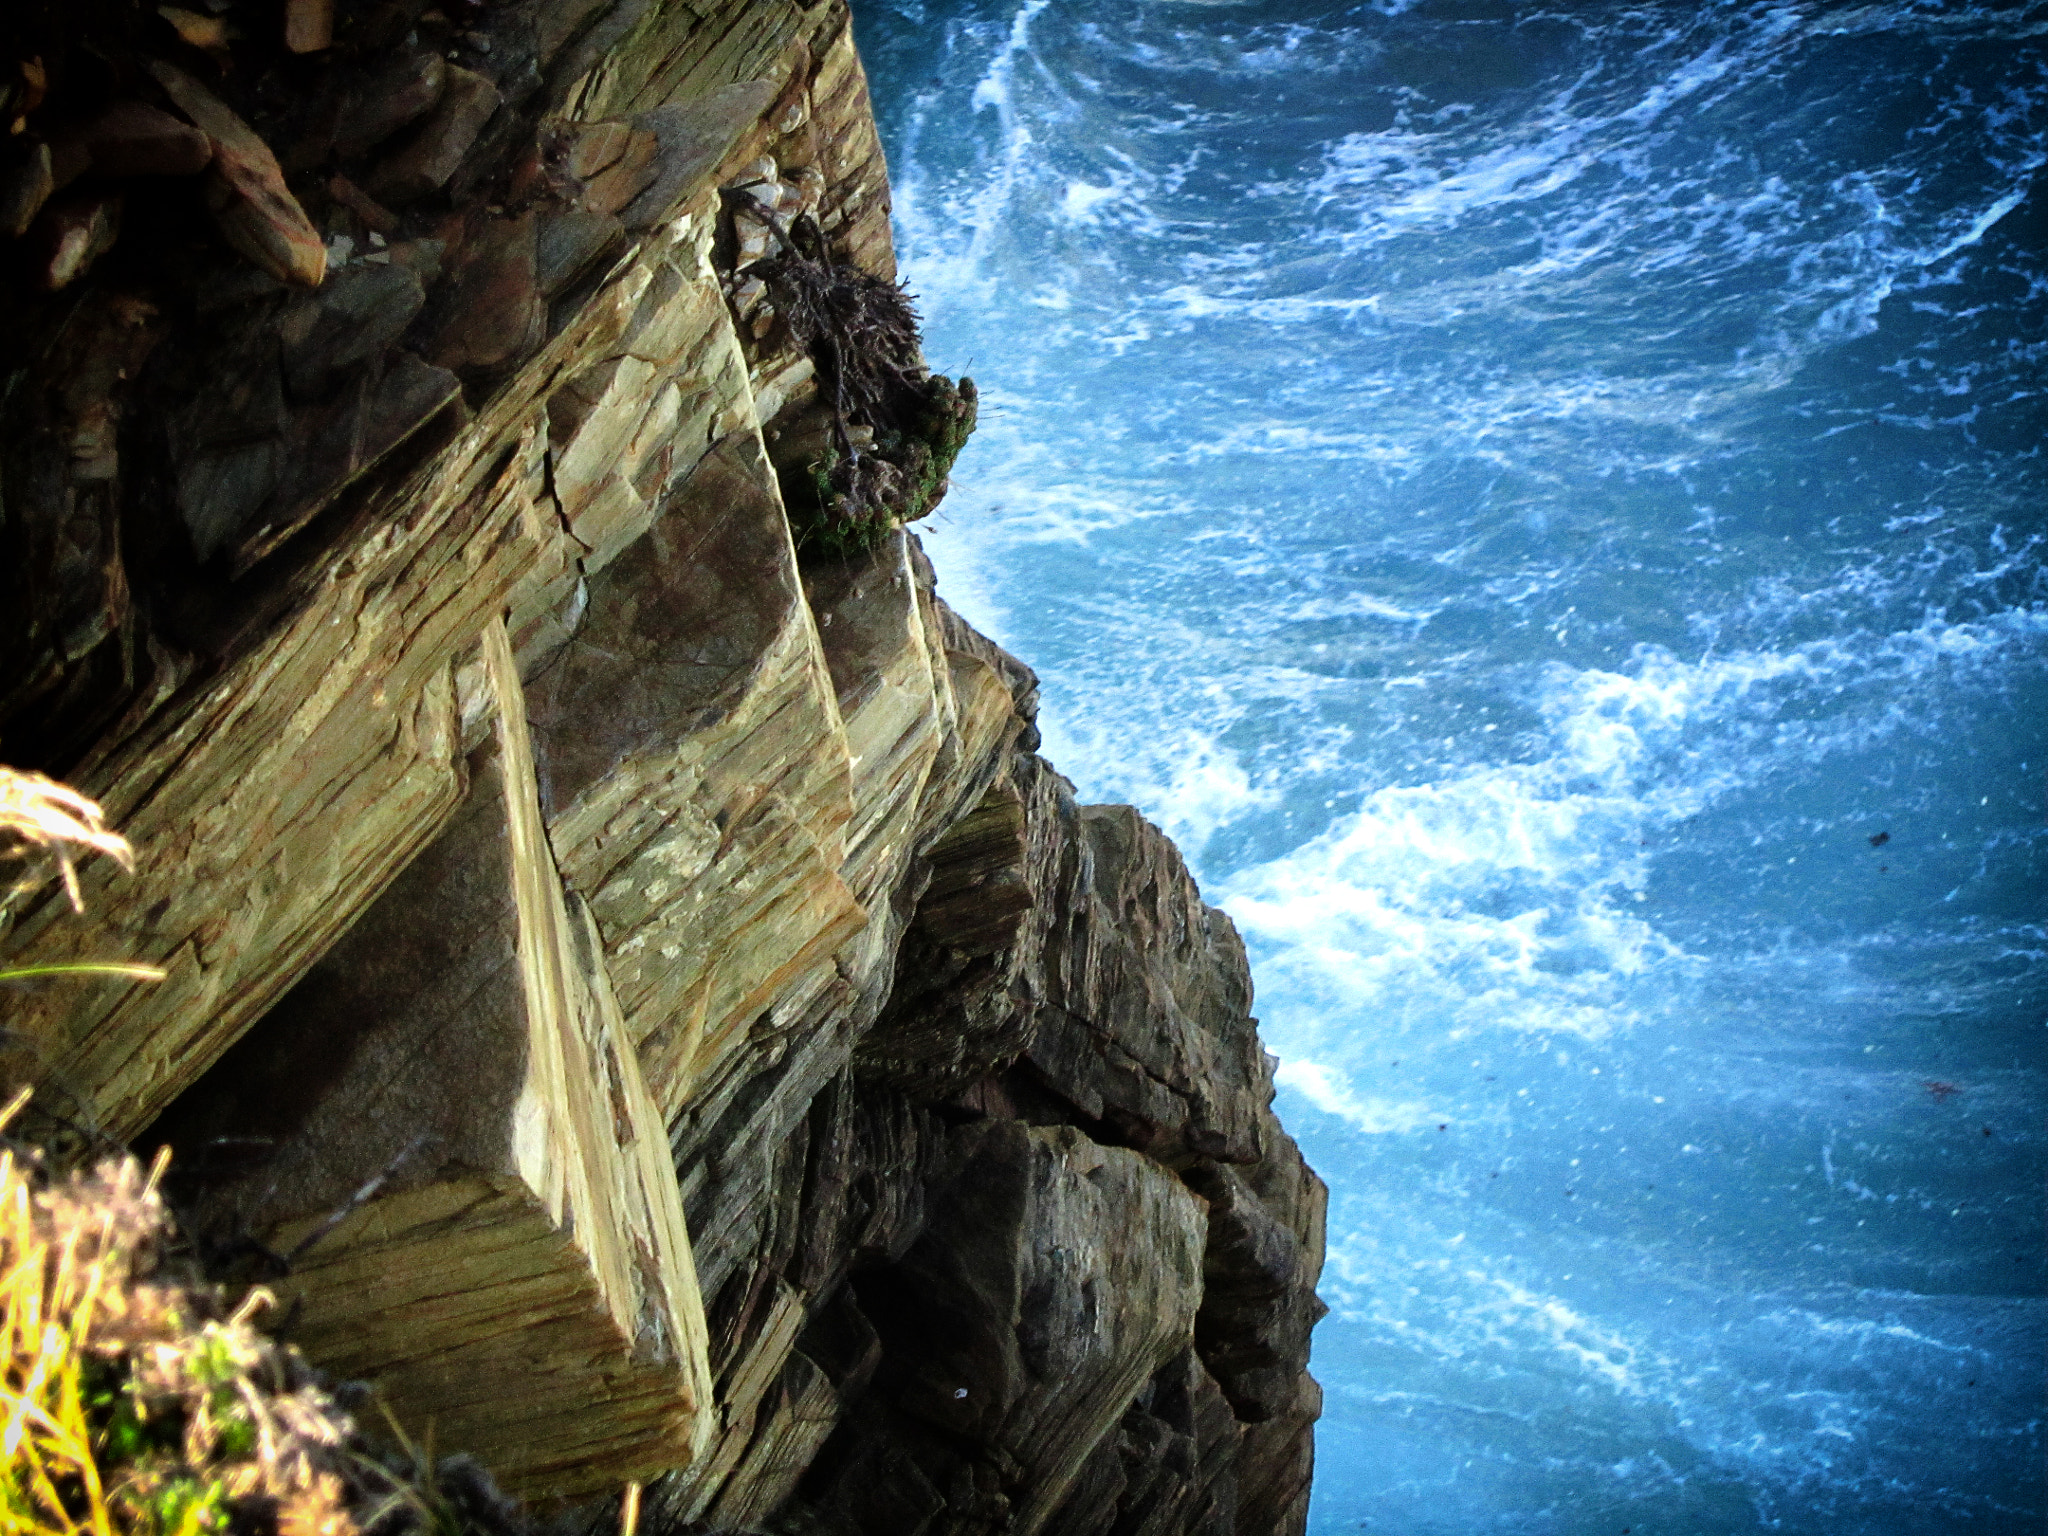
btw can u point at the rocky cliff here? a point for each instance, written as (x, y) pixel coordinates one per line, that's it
(631, 986)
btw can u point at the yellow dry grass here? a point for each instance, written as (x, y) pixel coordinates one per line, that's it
(42, 819)
(124, 1410)
(40, 816)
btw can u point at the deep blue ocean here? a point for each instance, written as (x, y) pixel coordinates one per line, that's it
(1547, 505)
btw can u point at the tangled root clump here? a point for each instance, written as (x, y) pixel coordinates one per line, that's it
(889, 430)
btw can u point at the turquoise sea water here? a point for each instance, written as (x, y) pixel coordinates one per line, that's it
(1547, 505)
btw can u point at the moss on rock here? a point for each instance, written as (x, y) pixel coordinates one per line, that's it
(885, 431)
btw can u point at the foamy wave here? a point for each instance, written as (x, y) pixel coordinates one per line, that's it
(1431, 420)
(1326, 1089)
(1185, 778)
(1473, 1314)
(1503, 896)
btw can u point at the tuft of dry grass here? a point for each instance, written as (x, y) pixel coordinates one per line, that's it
(136, 1403)
(128, 1405)
(40, 817)
(893, 428)
(41, 820)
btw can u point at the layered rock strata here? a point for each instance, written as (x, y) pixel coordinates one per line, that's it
(632, 985)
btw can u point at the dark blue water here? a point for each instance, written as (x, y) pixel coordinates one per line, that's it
(1548, 506)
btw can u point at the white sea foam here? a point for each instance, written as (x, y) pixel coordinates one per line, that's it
(1373, 1117)
(1548, 368)
(1504, 895)
(1436, 1303)
(1357, 604)
(1190, 782)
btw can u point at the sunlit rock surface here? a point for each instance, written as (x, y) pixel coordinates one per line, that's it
(632, 981)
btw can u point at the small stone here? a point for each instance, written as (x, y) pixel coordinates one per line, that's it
(245, 189)
(759, 170)
(422, 258)
(403, 92)
(263, 221)
(495, 313)
(308, 25)
(748, 294)
(756, 240)
(132, 139)
(434, 153)
(76, 232)
(808, 182)
(95, 456)
(35, 82)
(380, 220)
(209, 34)
(24, 190)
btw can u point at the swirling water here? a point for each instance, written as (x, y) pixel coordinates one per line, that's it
(1547, 505)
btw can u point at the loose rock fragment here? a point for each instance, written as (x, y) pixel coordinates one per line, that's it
(209, 34)
(77, 231)
(24, 191)
(245, 191)
(308, 25)
(756, 240)
(495, 314)
(362, 205)
(749, 294)
(808, 182)
(34, 82)
(132, 139)
(403, 92)
(467, 102)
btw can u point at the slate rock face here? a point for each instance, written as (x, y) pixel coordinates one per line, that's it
(631, 982)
